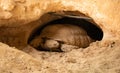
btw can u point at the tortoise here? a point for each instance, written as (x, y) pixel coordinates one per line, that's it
(57, 37)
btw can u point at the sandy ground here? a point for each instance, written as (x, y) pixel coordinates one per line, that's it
(19, 16)
(100, 57)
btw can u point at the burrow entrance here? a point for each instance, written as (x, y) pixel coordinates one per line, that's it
(90, 27)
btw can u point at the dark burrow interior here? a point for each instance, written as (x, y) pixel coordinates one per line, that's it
(92, 29)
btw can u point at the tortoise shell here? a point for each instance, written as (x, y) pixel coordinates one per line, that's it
(53, 36)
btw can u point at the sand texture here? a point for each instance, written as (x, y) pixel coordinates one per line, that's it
(19, 18)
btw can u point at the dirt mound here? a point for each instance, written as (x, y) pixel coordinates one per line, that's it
(20, 19)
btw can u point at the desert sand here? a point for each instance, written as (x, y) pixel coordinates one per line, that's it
(19, 18)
